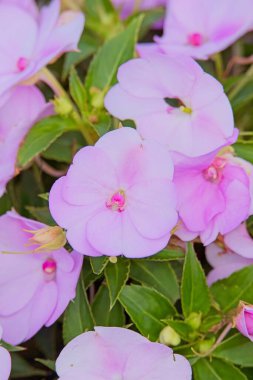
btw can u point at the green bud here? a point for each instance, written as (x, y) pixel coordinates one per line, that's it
(169, 337)
(97, 98)
(62, 106)
(194, 320)
(205, 345)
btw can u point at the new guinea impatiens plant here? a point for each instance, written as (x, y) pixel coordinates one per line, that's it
(126, 190)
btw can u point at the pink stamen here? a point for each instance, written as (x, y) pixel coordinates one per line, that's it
(195, 39)
(49, 266)
(22, 63)
(117, 201)
(214, 172)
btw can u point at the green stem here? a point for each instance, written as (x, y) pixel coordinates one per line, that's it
(242, 83)
(218, 62)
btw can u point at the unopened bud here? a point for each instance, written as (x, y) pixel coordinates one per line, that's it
(205, 345)
(48, 238)
(62, 106)
(97, 97)
(169, 337)
(113, 259)
(194, 320)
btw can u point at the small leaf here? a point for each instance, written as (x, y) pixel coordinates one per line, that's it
(11, 348)
(180, 327)
(215, 369)
(42, 214)
(103, 314)
(77, 90)
(158, 275)
(147, 308)
(244, 150)
(98, 264)
(78, 317)
(194, 290)
(47, 363)
(21, 368)
(167, 254)
(237, 287)
(42, 135)
(116, 277)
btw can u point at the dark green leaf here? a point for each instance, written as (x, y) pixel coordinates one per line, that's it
(116, 277)
(230, 291)
(167, 254)
(98, 264)
(215, 369)
(42, 214)
(236, 349)
(244, 150)
(103, 314)
(78, 317)
(180, 327)
(147, 308)
(194, 290)
(42, 135)
(77, 90)
(47, 363)
(158, 275)
(22, 369)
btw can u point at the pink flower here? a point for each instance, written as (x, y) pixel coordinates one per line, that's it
(22, 108)
(174, 102)
(117, 198)
(244, 320)
(235, 253)
(201, 28)
(5, 361)
(116, 353)
(35, 288)
(30, 40)
(214, 194)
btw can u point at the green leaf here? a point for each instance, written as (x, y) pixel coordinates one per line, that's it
(168, 254)
(78, 317)
(47, 363)
(22, 369)
(89, 277)
(147, 308)
(194, 290)
(42, 214)
(216, 369)
(180, 327)
(103, 69)
(230, 291)
(42, 135)
(158, 275)
(11, 348)
(77, 90)
(236, 349)
(103, 314)
(98, 264)
(244, 150)
(116, 277)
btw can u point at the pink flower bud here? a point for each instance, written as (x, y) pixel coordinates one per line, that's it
(244, 320)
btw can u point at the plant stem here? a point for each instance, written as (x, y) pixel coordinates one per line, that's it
(218, 62)
(242, 83)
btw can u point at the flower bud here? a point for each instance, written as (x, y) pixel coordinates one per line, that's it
(205, 345)
(62, 106)
(169, 337)
(194, 320)
(48, 238)
(244, 320)
(97, 97)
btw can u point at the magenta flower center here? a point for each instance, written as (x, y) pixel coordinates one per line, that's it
(214, 172)
(49, 266)
(22, 63)
(117, 202)
(195, 39)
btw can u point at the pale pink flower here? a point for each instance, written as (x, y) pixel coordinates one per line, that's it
(201, 28)
(35, 288)
(116, 353)
(244, 320)
(22, 107)
(117, 197)
(214, 194)
(235, 253)
(30, 40)
(202, 119)
(5, 360)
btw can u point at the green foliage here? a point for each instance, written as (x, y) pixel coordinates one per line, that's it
(116, 275)
(215, 369)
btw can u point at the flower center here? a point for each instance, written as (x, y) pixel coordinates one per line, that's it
(195, 39)
(22, 63)
(49, 266)
(117, 202)
(185, 109)
(214, 172)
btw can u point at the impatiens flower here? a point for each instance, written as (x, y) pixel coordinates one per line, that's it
(230, 255)
(35, 288)
(5, 360)
(244, 320)
(30, 40)
(117, 197)
(201, 28)
(173, 101)
(214, 194)
(17, 115)
(116, 354)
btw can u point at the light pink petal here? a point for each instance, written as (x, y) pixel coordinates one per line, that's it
(240, 241)
(5, 364)
(224, 272)
(152, 208)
